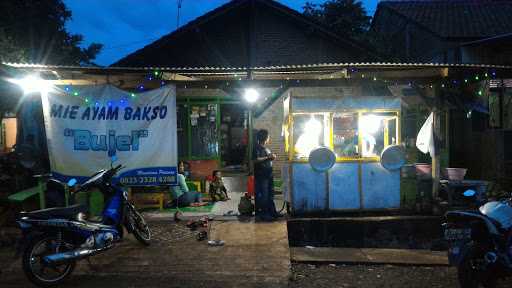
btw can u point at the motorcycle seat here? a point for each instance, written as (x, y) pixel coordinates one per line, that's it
(58, 212)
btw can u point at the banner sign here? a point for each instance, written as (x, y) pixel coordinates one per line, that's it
(87, 125)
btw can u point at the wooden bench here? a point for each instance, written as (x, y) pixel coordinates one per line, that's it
(156, 199)
(151, 199)
(22, 196)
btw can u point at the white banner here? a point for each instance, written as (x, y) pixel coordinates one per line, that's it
(86, 125)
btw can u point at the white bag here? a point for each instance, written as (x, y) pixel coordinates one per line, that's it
(425, 139)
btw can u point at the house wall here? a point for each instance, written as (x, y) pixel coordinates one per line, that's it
(487, 54)
(272, 120)
(283, 40)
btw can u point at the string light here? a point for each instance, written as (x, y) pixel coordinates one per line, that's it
(75, 93)
(476, 77)
(133, 95)
(374, 78)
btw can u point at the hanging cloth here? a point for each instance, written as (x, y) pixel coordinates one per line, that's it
(425, 139)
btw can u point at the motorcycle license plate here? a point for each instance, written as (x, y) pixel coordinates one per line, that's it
(457, 234)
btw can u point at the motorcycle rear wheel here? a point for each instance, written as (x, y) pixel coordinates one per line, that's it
(39, 247)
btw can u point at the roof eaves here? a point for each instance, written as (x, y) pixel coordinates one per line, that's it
(263, 68)
(486, 40)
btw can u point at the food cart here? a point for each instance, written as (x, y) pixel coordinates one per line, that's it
(357, 130)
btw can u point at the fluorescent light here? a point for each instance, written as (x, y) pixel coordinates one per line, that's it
(251, 95)
(33, 84)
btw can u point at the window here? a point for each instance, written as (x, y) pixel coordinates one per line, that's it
(378, 130)
(345, 138)
(310, 131)
(351, 135)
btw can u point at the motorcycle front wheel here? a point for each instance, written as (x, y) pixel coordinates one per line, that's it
(35, 268)
(471, 271)
(141, 229)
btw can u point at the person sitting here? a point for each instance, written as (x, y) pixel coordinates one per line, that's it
(182, 197)
(218, 191)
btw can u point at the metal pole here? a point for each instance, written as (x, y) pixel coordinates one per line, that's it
(250, 141)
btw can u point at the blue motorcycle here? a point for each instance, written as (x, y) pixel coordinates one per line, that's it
(55, 238)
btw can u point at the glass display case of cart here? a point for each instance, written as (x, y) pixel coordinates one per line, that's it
(352, 135)
(357, 130)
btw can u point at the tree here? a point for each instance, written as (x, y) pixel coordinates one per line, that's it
(34, 31)
(344, 17)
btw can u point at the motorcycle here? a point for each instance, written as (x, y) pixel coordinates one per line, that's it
(54, 239)
(480, 242)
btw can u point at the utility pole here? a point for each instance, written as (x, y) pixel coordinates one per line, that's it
(179, 2)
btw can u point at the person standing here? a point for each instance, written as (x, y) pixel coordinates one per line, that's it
(263, 178)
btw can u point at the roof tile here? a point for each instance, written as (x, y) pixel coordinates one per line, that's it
(458, 18)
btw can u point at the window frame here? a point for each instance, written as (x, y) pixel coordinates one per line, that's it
(290, 143)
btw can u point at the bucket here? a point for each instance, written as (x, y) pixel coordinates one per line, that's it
(423, 170)
(250, 186)
(455, 174)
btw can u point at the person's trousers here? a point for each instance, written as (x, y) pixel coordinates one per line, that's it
(188, 198)
(264, 198)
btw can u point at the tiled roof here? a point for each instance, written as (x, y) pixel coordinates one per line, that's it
(457, 18)
(207, 50)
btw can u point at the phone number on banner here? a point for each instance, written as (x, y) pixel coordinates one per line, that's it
(148, 180)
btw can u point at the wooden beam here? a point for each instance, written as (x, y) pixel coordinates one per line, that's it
(436, 159)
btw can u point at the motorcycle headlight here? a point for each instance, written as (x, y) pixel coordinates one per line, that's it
(81, 216)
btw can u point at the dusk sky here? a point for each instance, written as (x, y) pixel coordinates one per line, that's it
(124, 26)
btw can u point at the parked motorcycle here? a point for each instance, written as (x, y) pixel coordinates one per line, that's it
(55, 238)
(480, 242)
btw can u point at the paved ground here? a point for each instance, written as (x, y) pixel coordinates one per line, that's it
(254, 255)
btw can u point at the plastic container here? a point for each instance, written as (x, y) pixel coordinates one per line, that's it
(455, 174)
